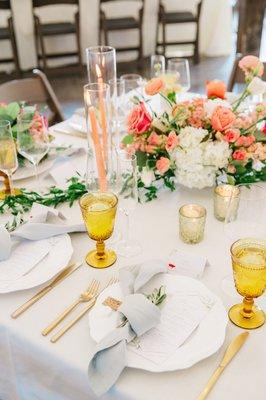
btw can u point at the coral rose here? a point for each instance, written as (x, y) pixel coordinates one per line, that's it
(222, 118)
(154, 86)
(251, 64)
(231, 135)
(239, 155)
(139, 120)
(163, 165)
(172, 141)
(215, 88)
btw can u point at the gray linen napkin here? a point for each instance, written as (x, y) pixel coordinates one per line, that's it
(108, 358)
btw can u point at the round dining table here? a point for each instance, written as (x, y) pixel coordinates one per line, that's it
(31, 367)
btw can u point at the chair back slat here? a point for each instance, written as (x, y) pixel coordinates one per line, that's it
(35, 90)
(5, 5)
(41, 3)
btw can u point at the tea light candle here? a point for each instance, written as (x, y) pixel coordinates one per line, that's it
(192, 219)
(226, 201)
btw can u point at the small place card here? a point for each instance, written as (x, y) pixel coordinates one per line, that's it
(187, 264)
(181, 315)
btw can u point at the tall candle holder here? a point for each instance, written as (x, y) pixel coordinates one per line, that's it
(101, 63)
(97, 104)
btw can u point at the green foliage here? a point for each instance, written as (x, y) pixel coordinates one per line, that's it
(127, 140)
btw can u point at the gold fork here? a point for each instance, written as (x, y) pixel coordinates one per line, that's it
(84, 297)
(63, 330)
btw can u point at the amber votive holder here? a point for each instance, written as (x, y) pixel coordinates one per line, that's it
(192, 218)
(226, 202)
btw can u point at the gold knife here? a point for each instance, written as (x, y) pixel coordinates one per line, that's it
(230, 352)
(64, 274)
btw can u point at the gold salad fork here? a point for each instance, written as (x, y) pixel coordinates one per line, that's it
(84, 297)
(69, 325)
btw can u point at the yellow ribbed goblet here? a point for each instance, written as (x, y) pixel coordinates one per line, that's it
(99, 211)
(249, 268)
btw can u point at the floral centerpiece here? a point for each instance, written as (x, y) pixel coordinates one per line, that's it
(11, 111)
(200, 141)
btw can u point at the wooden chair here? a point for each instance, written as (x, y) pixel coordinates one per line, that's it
(108, 25)
(179, 17)
(237, 76)
(35, 90)
(8, 33)
(44, 30)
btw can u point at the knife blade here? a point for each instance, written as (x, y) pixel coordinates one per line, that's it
(230, 352)
(64, 274)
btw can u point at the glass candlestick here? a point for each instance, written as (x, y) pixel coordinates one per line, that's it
(192, 219)
(101, 63)
(226, 201)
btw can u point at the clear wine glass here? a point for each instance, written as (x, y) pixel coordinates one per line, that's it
(128, 200)
(157, 65)
(181, 67)
(8, 152)
(32, 139)
(250, 222)
(134, 85)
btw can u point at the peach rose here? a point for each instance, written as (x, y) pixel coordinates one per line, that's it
(239, 155)
(215, 88)
(139, 120)
(231, 169)
(231, 135)
(163, 165)
(251, 64)
(172, 141)
(154, 86)
(154, 139)
(222, 118)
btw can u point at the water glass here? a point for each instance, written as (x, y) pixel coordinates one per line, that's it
(157, 65)
(181, 67)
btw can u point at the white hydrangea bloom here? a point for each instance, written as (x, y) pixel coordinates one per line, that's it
(191, 137)
(217, 154)
(199, 179)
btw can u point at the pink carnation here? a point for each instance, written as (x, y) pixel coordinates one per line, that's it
(172, 141)
(251, 64)
(154, 139)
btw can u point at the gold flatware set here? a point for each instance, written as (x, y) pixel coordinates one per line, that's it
(89, 296)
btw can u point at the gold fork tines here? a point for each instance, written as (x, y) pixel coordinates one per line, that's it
(62, 331)
(85, 296)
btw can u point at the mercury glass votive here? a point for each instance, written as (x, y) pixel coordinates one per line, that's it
(226, 202)
(192, 218)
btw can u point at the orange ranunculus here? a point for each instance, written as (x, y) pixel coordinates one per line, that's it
(251, 64)
(154, 86)
(222, 118)
(139, 120)
(215, 88)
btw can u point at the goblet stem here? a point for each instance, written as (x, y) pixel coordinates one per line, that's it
(127, 229)
(247, 310)
(36, 175)
(11, 187)
(100, 246)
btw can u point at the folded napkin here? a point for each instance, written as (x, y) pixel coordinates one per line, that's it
(44, 222)
(108, 358)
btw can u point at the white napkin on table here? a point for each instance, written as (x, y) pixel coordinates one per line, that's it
(44, 222)
(188, 264)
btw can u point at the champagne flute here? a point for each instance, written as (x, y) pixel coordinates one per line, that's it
(180, 66)
(32, 140)
(8, 153)
(117, 95)
(248, 221)
(128, 200)
(157, 65)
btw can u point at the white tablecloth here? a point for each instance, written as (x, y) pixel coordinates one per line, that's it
(33, 368)
(215, 33)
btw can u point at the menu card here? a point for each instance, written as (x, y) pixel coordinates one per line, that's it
(181, 315)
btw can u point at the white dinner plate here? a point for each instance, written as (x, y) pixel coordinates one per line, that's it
(57, 259)
(28, 170)
(204, 341)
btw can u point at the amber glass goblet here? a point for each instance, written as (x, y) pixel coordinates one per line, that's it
(249, 268)
(99, 211)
